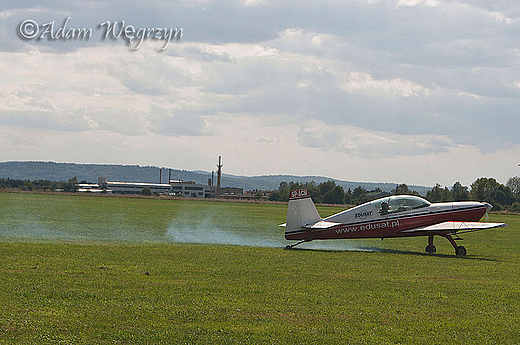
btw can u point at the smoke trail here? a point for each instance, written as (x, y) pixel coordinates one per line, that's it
(209, 231)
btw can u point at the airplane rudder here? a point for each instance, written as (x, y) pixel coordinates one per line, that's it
(300, 210)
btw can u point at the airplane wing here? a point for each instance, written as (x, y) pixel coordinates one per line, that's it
(458, 227)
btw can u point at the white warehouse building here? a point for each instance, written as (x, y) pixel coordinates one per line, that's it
(188, 189)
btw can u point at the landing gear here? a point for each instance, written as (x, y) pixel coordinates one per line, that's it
(431, 249)
(460, 251)
(291, 246)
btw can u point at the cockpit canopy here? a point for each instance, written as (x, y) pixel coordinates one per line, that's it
(398, 203)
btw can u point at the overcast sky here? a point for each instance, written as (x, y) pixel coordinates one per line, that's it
(405, 91)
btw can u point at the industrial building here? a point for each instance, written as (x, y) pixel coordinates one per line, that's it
(192, 189)
(175, 188)
(188, 189)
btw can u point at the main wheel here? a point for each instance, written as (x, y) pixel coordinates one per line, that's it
(460, 251)
(431, 250)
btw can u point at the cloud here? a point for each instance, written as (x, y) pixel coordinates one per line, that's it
(175, 123)
(412, 3)
(369, 144)
(26, 96)
(397, 87)
(264, 139)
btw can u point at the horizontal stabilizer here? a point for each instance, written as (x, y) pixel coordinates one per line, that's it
(458, 227)
(322, 224)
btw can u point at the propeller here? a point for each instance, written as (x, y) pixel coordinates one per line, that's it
(488, 208)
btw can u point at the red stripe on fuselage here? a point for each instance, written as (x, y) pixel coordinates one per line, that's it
(391, 227)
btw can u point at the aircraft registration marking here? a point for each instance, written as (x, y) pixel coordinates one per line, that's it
(300, 193)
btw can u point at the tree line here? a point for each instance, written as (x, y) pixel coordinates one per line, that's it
(40, 185)
(502, 197)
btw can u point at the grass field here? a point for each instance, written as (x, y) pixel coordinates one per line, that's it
(78, 269)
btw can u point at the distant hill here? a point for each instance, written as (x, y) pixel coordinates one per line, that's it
(134, 173)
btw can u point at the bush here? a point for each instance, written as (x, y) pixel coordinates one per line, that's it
(515, 207)
(146, 191)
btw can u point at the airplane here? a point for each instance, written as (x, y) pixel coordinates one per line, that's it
(393, 216)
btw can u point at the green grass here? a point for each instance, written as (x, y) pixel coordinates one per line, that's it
(74, 270)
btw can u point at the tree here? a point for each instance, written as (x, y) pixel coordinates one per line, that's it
(402, 189)
(274, 196)
(29, 186)
(365, 198)
(459, 192)
(314, 191)
(515, 207)
(334, 196)
(71, 185)
(436, 194)
(489, 190)
(514, 184)
(347, 200)
(484, 189)
(504, 196)
(257, 195)
(282, 194)
(146, 191)
(358, 194)
(326, 187)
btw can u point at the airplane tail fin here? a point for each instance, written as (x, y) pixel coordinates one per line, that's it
(300, 211)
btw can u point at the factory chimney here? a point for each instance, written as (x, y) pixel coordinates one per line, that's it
(219, 174)
(160, 175)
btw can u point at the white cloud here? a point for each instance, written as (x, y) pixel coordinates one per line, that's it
(368, 144)
(255, 2)
(397, 87)
(412, 3)
(26, 96)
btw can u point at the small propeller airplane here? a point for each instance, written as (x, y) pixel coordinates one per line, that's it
(393, 216)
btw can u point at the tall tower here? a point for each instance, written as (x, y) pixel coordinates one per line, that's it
(219, 174)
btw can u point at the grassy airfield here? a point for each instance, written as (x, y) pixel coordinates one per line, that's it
(78, 269)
